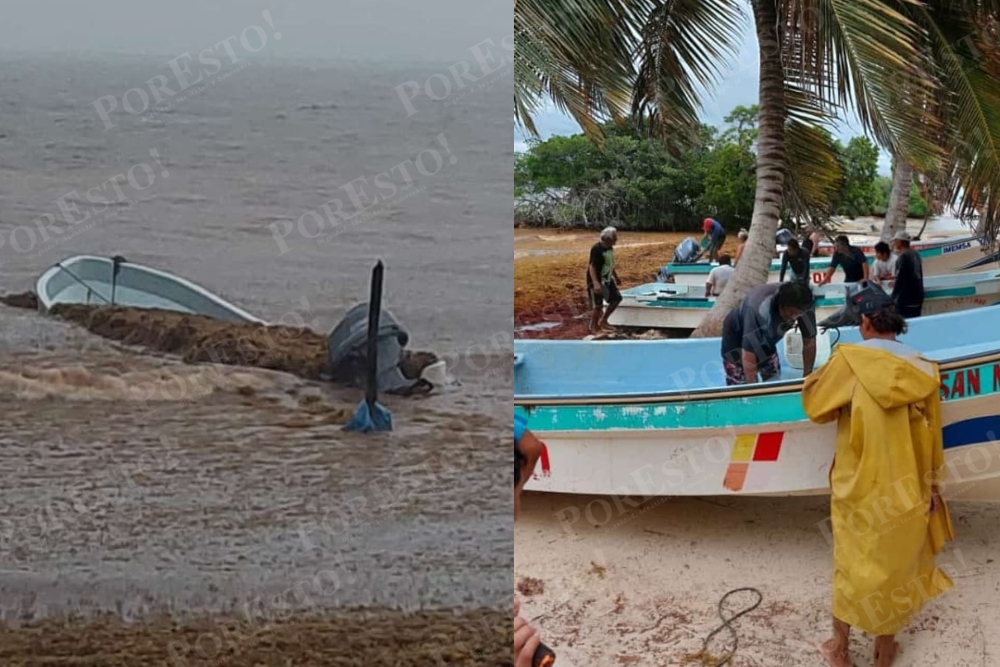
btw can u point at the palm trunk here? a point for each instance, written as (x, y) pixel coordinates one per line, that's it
(899, 199)
(756, 259)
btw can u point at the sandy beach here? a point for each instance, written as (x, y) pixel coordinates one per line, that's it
(641, 586)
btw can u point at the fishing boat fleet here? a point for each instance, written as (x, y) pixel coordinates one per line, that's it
(679, 302)
(646, 418)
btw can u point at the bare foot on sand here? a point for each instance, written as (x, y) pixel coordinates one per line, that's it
(885, 652)
(835, 654)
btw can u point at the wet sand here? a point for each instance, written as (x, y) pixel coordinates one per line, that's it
(640, 586)
(384, 638)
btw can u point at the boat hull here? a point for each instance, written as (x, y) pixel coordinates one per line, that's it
(655, 418)
(663, 306)
(87, 279)
(937, 258)
(773, 457)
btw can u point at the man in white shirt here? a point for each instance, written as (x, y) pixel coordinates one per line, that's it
(719, 276)
(884, 267)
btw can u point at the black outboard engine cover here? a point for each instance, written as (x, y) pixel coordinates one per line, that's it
(347, 346)
(857, 294)
(783, 236)
(686, 251)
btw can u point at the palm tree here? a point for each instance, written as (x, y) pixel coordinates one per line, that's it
(817, 58)
(899, 199)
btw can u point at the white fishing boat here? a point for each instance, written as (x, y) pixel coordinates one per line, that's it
(655, 418)
(939, 256)
(666, 306)
(86, 279)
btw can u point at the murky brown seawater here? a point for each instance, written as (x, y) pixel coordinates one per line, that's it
(176, 497)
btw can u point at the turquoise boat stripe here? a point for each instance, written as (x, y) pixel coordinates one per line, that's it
(723, 412)
(946, 292)
(705, 304)
(696, 302)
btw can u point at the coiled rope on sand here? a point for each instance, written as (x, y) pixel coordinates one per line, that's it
(707, 658)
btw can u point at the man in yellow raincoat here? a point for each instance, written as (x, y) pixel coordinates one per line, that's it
(888, 519)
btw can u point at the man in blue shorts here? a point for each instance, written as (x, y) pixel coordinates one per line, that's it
(715, 235)
(751, 331)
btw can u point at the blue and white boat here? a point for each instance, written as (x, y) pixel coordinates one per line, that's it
(939, 256)
(666, 306)
(655, 418)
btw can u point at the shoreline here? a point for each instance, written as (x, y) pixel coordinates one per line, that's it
(384, 637)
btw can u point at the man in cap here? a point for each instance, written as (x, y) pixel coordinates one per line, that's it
(602, 280)
(908, 290)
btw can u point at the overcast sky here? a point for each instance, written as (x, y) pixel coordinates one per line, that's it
(737, 86)
(440, 30)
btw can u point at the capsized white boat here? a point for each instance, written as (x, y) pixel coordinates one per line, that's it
(655, 418)
(87, 279)
(667, 306)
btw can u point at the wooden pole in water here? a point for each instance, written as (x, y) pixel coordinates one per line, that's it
(374, 310)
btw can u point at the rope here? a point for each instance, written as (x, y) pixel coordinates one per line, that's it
(705, 656)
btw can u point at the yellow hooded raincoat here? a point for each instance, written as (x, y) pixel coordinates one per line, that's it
(889, 451)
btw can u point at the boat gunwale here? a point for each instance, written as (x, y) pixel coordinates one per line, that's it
(772, 389)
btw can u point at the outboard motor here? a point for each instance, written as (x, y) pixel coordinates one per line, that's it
(347, 346)
(857, 294)
(783, 236)
(686, 251)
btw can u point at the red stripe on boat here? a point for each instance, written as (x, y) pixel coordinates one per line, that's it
(545, 461)
(768, 446)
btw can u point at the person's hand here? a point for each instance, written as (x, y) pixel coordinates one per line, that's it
(526, 639)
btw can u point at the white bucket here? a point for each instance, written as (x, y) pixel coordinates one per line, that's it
(793, 348)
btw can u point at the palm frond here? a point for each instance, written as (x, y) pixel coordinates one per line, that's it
(865, 55)
(684, 45)
(965, 48)
(578, 53)
(814, 176)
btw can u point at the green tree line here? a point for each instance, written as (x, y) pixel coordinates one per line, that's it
(639, 183)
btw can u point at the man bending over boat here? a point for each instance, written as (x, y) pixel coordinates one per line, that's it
(715, 237)
(848, 257)
(887, 516)
(751, 331)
